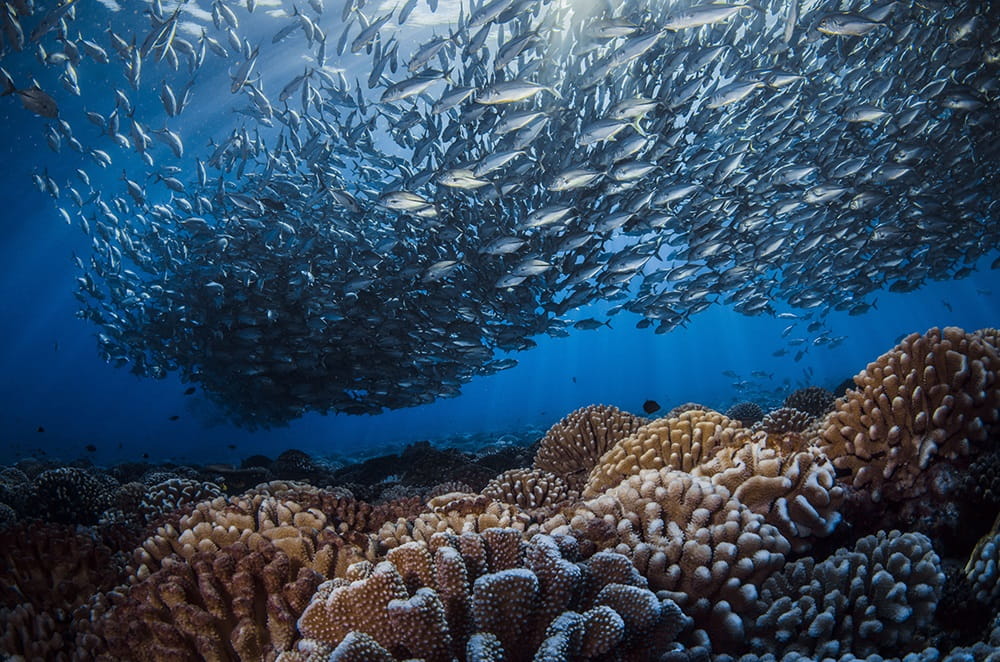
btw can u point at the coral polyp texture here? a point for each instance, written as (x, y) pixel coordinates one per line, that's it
(533, 489)
(932, 397)
(572, 447)
(682, 442)
(746, 413)
(813, 400)
(872, 600)
(689, 537)
(695, 537)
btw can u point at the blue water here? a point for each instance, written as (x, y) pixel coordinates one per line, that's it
(54, 379)
(57, 396)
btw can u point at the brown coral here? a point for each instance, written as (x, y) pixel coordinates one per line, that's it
(934, 395)
(302, 533)
(796, 491)
(235, 603)
(46, 571)
(456, 512)
(686, 536)
(490, 596)
(680, 443)
(529, 489)
(784, 419)
(572, 447)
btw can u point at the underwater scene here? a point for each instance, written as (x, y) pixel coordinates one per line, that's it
(500, 330)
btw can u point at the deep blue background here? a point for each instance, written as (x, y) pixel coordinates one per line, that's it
(52, 378)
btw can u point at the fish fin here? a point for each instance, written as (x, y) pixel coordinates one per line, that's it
(639, 129)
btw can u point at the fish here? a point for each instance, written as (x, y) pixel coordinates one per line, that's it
(51, 19)
(853, 25)
(651, 406)
(590, 324)
(35, 100)
(700, 15)
(367, 221)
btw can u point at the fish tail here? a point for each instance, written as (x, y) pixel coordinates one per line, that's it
(8, 83)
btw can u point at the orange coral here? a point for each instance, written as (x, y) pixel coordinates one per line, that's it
(572, 447)
(932, 396)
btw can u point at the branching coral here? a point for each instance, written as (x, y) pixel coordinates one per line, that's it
(491, 596)
(72, 496)
(687, 536)
(572, 447)
(680, 443)
(983, 568)
(869, 600)
(173, 493)
(785, 419)
(934, 395)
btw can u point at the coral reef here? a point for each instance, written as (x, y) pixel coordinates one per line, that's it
(453, 513)
(573, 446)
(694, 537)
(784, 419)
(47, 571)
(689, 537)
(69, 495)
(234, 603)
(796, 491)
(983, 568)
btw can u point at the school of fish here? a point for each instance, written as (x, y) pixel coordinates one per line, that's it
(412, 202)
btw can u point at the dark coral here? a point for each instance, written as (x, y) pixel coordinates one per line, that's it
(47, 571)
(982, 480)
(72, 496)
(746, 413)
(16, 489)
(489, 596)
(874, 599)
(814, 400)
(785, 419)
